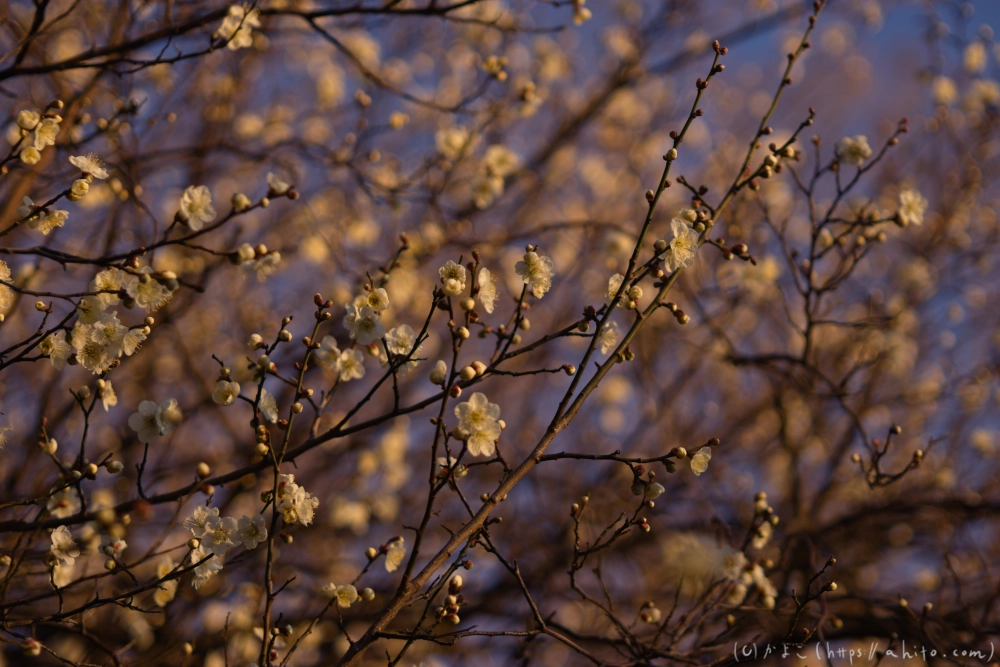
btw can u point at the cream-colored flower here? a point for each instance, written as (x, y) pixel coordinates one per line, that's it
(683, 248)
(46, 132)
(226, 392)
(700, 459)
(854, 150)
(364, 325)
(152, 420)
(207, 569)
(218, 535)
(46, 222)
(251, 531)
(55, 347)
(345, 595)
(268, 406)
(452, 278)
(608, 337)
(196, 207)
(479, 418)
(64, 503)
(912, 207)
(28, 119)
(487, 289)
(377, 299)
(147, 292)
(198, 519)
(394, 554)
(90, 164)
(536, 272)
(107, 394)
(63, 547)
(30, 155)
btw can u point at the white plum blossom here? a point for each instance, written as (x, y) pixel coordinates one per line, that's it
(394, 554)
(63, 503)
(377, 299)
(90, 164)
(294, 502)
(226, 392)
(196, 207)
(912, 207)
(345, 595)
(452, 278)
(700, 459)
(113, 547)
(207, 569)
(152, 420)
(614, 284)
(147, 292)
(684, 246)
(46, 132)
(107, 394)
(536, 272)
(109, 279)
(487, 289)
(63, 547)
(479, 418)
(328, 353)
(46, 222)
(854, 150)
(196, 522)
(608, 337)
(28, 119)
(400, 341)
(55, 347)
(251, 531)
(364, 325)
(218, 535)
(268, 406)
(264, 266)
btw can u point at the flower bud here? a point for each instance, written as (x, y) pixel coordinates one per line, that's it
(203, 470)
(240, 202)
(467, 373)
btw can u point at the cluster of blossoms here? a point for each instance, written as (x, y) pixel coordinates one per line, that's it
(746, 575)
(237, 27)
(98, 338)
(152, 420)
(295, 504)
(214, 535)
(44, 220)
(45, 128)
(498, 163)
